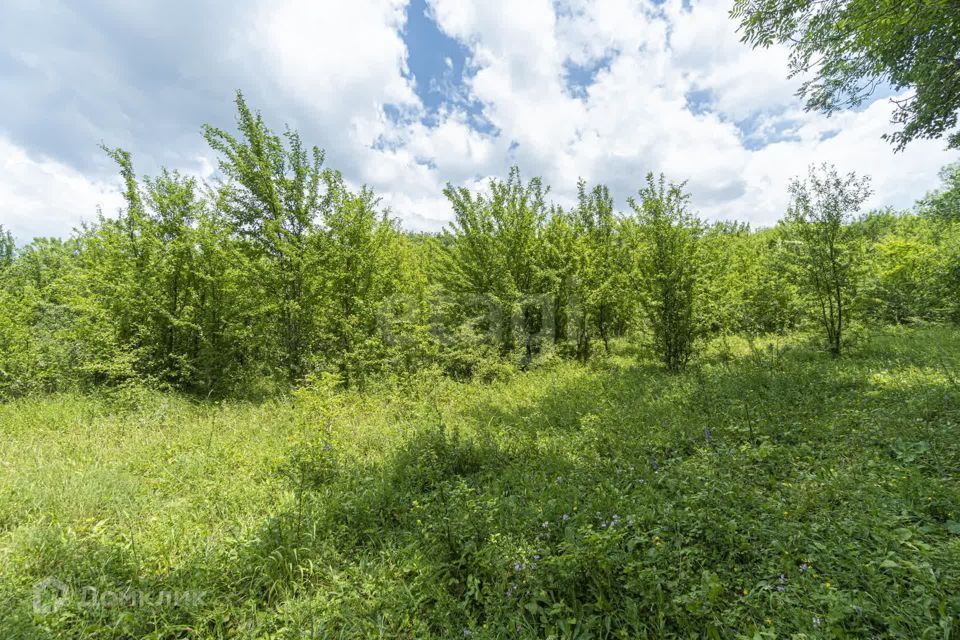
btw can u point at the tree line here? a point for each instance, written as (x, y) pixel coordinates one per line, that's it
(280, 271)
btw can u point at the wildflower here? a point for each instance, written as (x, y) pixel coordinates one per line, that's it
(536, 556)
(707, 435)
(546, 525)
(565, 517)
(816, 621)
(518, 566)
(783, 578)
(467, 633)
(768, 621)
(827, 584)
(803, 567)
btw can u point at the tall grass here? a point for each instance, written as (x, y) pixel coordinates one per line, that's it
(769, 491)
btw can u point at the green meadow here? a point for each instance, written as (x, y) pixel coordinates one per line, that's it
(768, 491)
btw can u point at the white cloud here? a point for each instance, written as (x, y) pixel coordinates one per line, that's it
(706, 50)
(343, 59)
(635, 116)
(40, 197)
(898, 179)
(330, 68)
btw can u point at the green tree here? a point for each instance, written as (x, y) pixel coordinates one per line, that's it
(153, 293)
(852, 46)
(8, 248)
(745, 285)
(560, 266)
(602, 278)
(272, 197)
(360, 263)
(173, 278)
(900, 285)
(495, 257)
(667, 263)
(33, 357)
(906, 267)
(944, 203)
(823, 244)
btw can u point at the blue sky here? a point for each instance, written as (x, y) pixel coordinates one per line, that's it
(408, 95)
(437, 62)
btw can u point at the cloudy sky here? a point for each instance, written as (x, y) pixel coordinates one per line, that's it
(407, 95)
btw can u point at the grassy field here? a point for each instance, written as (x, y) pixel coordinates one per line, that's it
(769, 492)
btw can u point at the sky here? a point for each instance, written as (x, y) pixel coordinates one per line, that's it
(406, 96)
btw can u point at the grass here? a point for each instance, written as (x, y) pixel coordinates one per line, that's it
(769, 492)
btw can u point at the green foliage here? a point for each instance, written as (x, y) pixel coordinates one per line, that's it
(903, 279)
(279, 272)
(359, 253)
(494, 259)
(272, 199)
(17, 361)
(603, 269)
(824, 249)
(746, 286)
(562, 267)
(667, 264)
(570, 502)
(8, 248)
(908, 272)
(944, 203)
(852, 46)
